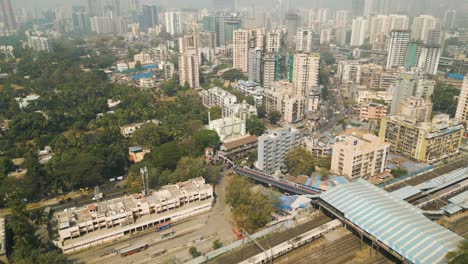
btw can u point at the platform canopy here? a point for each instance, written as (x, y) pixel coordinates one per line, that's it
(392, 221)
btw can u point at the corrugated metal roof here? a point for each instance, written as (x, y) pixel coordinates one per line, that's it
(405, 192)
(394, 222)
(460, 200)
(451, 209)
(444, 180)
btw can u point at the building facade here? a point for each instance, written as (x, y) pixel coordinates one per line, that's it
(398, 45)
(305, 73)
(273, 146)
(423, 141)
(240, 50)
(189, 68)
(360, 157)
(462, 108)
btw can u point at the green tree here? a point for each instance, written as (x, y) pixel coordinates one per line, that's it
(205, 138)
(299, 161)
(216, 112)
(166, 156)
(261, 112)
(147, 135)
(189, 168)
(234, 75)
(444, 98)
(194, 252)
(251, 210)
(217, 244)
(398, 172)
(255, 126)
(274, 117)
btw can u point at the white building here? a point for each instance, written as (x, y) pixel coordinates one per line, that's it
(411, 84)
(399, 42)
(325, 36)
(349, 72)
(217, 97)
(342, 18)
(273, 146)
(240, 50)
(228, 128)
(429, 59)
(122, 67)
(189, 68)
(40, 44)
(174, 23)
(304, 40)
(422, 25)
(101, 25)
(462, 108)
(358, 32)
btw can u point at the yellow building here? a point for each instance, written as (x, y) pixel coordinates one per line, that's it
(422, 141)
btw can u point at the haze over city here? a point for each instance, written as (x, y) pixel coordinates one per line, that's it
(234, 131)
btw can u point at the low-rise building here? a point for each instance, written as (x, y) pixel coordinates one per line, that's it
(273, 146)
(416, 107)
(369, 111)
(239, 148)
(107, 220)
(422, 141)
(217, 97)
(122, 67)
(253, 89)
(363, 157)
(368, 96)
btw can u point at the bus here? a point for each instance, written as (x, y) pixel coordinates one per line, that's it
(132, 250)
(163, 226)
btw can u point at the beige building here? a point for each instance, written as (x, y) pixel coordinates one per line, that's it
(107, 220)
(370, 111)
(273, 41)
(280, 97)
(422, 141)
(240, 50)
(462, 108)
(189, 68)
(305, 73)
(415, 107)
(359, 157)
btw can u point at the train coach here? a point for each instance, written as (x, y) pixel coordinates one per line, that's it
(287, 246)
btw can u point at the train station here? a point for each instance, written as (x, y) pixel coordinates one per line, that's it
(389, 223)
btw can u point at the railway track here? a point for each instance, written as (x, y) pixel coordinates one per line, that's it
(332, 253)
(461, 227)
(251, 250)
(428, 176)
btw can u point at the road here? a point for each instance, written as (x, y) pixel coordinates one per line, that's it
(271, 241)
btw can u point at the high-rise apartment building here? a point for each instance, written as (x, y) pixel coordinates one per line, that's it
(422, 26)
(423, 141)
(40, 43)
(411, 84)
(269, 69)
(450, 17)
(273, 146)
(231, 24)
(8, 15)
(358, 31)
(149, 18)
(364, 157)
(189, 68)
(429, 57)
(255, 64)
(96, 8)
(256, 38)
(462, 108)
(305, 73)
(273, 41)
(398, 22)
(240, 50)
(357, 7)
(342, 18)
(292, 24)
(81, 22)
(398, 45)
(304, 40)
(102, 25)
(174, 22)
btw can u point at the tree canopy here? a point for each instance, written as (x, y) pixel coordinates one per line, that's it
(299, 161)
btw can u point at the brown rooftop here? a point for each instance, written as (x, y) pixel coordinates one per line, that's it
(239, 142)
